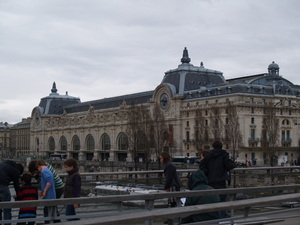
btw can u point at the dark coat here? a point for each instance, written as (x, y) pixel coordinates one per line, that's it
(9, 171)
(73, 184)
(172, 179)
(199, 182)
(216, 166)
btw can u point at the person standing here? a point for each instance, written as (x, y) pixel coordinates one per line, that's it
(47, 185)
(173, 183)
(73, 185)
(25, 193)
(59, 184)
(202, 156)
(9, 171)
(216, 166)
(199, 182)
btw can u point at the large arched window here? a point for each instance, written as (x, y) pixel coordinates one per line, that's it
(122, 141)
(90, 143)
(76, 143)
(51, 144)
(63, 143)
(105, 140)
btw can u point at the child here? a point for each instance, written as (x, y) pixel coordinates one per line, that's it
(59, 185)
(27, 192)
(73, 184)
(47, 185)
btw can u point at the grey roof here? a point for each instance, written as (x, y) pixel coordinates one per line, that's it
(113, 102)
(55, 103)
(261, 84)
(188, 77)
(4, 126)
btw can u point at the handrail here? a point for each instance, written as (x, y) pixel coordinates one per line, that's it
(154, 196)
(183, 211)
(184, 171)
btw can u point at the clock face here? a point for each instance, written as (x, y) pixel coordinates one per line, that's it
(164, 101)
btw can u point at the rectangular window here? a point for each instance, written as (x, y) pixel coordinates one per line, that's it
(187, 135)
(288, 134)
(283, 135)
(253, 134)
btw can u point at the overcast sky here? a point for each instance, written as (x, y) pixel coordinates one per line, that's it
(104, 48)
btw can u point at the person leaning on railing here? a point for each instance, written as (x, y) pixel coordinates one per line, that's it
(198, 181)
(59, 184)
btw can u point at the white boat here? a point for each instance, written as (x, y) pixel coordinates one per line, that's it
(116, 189)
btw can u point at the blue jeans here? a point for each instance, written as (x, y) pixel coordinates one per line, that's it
(5, 196)
(70, 210)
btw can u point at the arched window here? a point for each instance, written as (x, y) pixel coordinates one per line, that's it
(51, 144)
(76, 143)
(90, 143)
(105, 142)
(63, 143)
(122, 142)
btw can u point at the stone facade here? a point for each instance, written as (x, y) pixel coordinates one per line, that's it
(4, 140)
(20, 138)
(96, 130)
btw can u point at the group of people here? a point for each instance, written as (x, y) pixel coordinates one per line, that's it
(214, 173)
(51, 186)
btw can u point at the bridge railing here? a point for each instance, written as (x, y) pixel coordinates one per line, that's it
(150, 213)
(240, 177)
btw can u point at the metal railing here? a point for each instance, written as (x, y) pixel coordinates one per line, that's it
(150, 213)
(149, 200)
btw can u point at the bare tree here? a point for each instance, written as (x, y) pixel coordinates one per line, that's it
(270, 135)
(216, 124)
(200, 130)
(233, 132)
(138, 132)
(159, 132)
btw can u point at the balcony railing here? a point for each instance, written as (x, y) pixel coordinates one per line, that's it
(253, 139)
(286, 140)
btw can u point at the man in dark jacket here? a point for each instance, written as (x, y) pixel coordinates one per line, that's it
(216, 166)
(9, 171)
(198, 182)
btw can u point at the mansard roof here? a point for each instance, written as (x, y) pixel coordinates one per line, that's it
(113, 102)
(270, 83)
(55, 103)
(188, 77)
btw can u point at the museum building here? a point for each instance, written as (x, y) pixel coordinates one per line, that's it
(199, 105)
